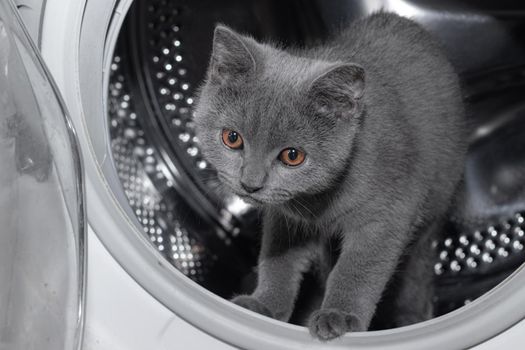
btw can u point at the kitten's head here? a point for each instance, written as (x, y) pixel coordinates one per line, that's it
(276, 125)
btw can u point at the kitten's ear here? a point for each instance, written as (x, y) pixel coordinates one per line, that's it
(338, 89)
(230, 59)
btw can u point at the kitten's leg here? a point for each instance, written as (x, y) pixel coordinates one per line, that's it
(355, 285)
(413, 303)
(285, 256)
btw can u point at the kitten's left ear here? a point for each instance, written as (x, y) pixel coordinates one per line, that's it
(339, 88)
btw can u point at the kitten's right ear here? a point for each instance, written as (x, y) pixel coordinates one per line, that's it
(230, 59)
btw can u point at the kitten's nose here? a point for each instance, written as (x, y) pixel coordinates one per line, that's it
(250, 189)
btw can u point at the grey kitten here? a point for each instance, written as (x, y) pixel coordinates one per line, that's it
(359, 139)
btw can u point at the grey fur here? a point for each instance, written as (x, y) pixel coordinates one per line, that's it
(378, 112)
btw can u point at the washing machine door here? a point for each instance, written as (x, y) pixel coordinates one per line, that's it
(41, 202)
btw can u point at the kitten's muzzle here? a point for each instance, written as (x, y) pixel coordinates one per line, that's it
(249, 188)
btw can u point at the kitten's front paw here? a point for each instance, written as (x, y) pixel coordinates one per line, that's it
(327, 324)
(250, 303)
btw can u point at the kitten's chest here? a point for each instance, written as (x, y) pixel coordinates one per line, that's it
(316, 215)
(331, 215)
(305, 210)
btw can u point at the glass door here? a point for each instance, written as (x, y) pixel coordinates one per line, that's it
(42, 224)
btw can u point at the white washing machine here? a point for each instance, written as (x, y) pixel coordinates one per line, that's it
(122, 249)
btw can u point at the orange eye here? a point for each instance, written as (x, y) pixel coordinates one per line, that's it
(292, 156)
(232, 139)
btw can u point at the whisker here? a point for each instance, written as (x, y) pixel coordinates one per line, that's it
(296, 200)
(298, 211)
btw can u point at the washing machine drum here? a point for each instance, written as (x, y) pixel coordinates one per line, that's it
(161, 56)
